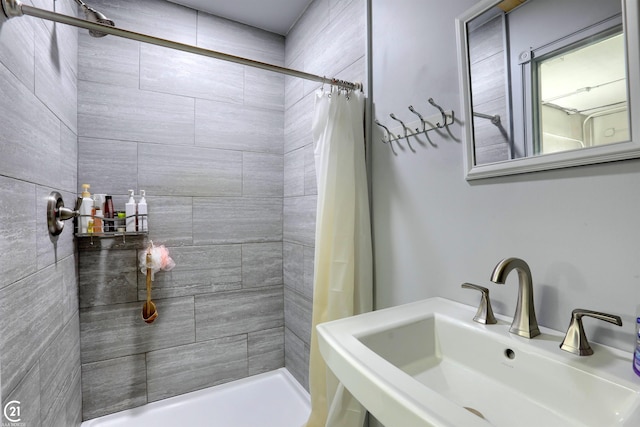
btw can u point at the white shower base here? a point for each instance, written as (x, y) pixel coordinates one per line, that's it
(273, 399)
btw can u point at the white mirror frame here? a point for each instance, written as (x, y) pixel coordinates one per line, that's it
(605, 153)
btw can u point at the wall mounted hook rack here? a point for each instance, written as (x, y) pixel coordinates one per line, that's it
(423, 125)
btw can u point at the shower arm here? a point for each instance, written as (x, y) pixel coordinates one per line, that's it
(13, 8)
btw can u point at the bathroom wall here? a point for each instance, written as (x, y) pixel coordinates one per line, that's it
(204, 138)
(39, 329)
(434, 230)
(329, 39)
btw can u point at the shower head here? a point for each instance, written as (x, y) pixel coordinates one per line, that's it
(94, 16)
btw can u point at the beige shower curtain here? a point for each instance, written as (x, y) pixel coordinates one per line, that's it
(343, 284)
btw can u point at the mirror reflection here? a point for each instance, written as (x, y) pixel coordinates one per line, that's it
(547, 76)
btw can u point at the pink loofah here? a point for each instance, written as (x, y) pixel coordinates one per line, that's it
(160, 259)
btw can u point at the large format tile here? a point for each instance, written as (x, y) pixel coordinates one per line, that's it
(107, 277)
(68, 174)
(310, 179)
(56, 69)
(74, 401)
(293, 265)
(30, 137)
(297, 124)
(18, 254)
(309, 265)
(266, 350)
(116, 62)
(189, 171)
(113, 331)
(31, 318)
(66, 410)
(113, 385)
(27, 393)
(337, 7)
(70, 300)
(296, 357)
(196, 366)
(17, 48)
(300, 220)
(237, 39)
(262, 175)
(486, 40)
(170, 220)
(261, 264)
(488, 79)
(237, 220)
(294, 172)
(346, 33)
(238, 312)
(297, 314)
(238, 127)
(198, 270)
(308, 28)
(263, 89)
(182, 73)
(58, 366)
(293, 86)
(112, 112)
(162, 19)
(109, 166)
(298, 268)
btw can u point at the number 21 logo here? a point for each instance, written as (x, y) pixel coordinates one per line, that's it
(12, 411)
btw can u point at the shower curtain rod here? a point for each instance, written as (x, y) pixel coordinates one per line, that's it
(14, 8)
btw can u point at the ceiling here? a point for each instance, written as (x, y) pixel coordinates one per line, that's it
(277, 16)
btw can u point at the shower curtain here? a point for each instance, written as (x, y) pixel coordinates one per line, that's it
(343, 278)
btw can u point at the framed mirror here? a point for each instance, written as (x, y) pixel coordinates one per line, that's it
(547, 84)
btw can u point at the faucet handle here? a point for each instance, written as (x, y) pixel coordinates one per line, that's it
(575, 341)
(484, 314)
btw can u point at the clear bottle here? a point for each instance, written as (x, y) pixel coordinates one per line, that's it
(86, 207)
(142, 212)
(97, 215)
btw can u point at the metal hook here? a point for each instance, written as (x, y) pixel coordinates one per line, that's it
(424, 124)
(402, 123)
(386, 129)
(444, 116)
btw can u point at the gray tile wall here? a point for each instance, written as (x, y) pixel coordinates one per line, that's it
(329, 39)
(205, 139)
(487, 53)
(39, 326)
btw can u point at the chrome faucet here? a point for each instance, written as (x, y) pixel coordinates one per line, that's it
(524, 320)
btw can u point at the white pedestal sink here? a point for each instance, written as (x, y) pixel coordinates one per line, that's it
(428, 364)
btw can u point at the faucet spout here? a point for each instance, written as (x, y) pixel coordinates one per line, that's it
(524, 320)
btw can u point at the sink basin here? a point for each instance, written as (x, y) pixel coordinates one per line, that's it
(428, 364)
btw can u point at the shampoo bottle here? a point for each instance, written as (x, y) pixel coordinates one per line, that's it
(86, 208)
(130, 212)
(109, 213)
(142, 211)
(636, 353)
